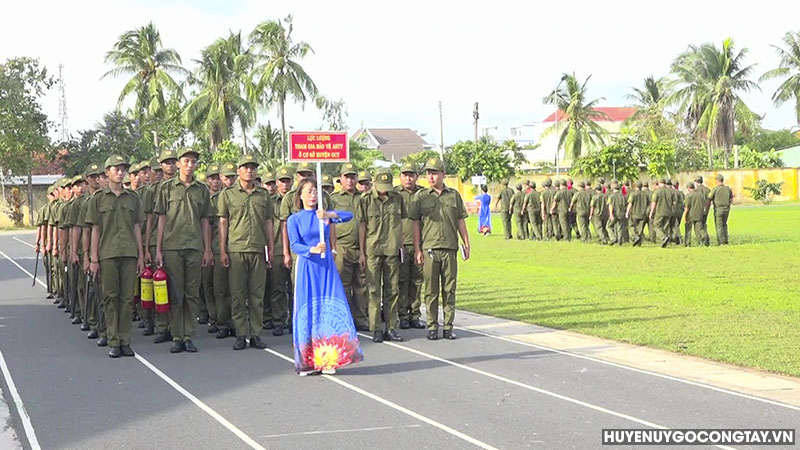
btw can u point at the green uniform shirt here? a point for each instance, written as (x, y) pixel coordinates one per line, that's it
(616, 200)
(697, 206)
(704, 191)
(533, 201)
(439, 214)
(81, 222)
(408, 224)
(116, 217)
(664, 200)
(547, 198)
(599, 205)
(721, 197)
(149, 203)
(347, 232)
(583, 202)
(214, 221)
(277, 240)
(640, 203)
(63, 213)
(505, 198)
(679, 199)
(183, 207)
(46, 213)
(383, 219)
(246, 214)
(562, 199)
(516, 202)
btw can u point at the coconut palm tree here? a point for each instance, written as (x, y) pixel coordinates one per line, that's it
(278, 73)
(222, 99)
(579, 130)
(140, 54)
(788, 67)
(269, 142)
(710, 80)
(650, 103)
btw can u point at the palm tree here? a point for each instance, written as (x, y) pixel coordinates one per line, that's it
(790, 62)
(222, 99)
(139, 53)
(269, 142)
(278, 72)
(710, 80)
(580, 131)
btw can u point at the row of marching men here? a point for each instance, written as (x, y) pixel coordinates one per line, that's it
(207, 241)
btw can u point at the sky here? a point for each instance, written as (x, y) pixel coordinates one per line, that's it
(393, 62)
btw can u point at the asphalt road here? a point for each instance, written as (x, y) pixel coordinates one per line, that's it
(474, 392)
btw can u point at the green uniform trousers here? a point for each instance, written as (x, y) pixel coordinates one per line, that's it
(440, 271)
(615, 230)
(247, 277)
(564, 223)
(208, 307)
(547, 224)
(183, 275)
(519, 223)
(651, 229)
(600, 229)
(352, 281)
(278, 299)
(702, 236)
(75, 287)
(222, 295)
(118, 281)
(383, 277)
(161, 319)
(410, 279)
(662, 226)
(583, 227)
(721, 223)
(637, 228)
(535, 220)
(82, 290)
(675, 229)
(92, 308)
(506, 218)
(526, 225)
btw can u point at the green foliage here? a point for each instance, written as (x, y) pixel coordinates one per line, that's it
(23, 125)
(496, 162)
(334, 114)
(764, 190)
(788, 68)
(660, 156)
(618, 160)
(419, 158)
(751, 159)
(765, 140)
(227, 151)
(362, 157)
(270, 144)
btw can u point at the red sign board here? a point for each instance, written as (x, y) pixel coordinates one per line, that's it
(318, 146)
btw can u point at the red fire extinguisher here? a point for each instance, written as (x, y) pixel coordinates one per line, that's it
(160, 290)
(146, 288)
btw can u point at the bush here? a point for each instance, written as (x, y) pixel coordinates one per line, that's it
(764, 190)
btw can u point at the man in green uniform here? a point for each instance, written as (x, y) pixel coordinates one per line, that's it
(504, 202)
(76, 251)
(661, 207)
(347, 246)
(167, 162)
(581, 205)
(364, 181)
(62, 231)
(517, 211)
(116, 216)
(245, 230)
(43, 240)
(677, 214)
(228, 175)
(410, 277)
(532, 205)
(704, 191)
(636, 213)
(560, 210)
(183, 246)
(616, 215)
(97, 181)
(209, 297)
(137, 186)
(598, 214)
(721, 197)
(279, 274)
(438, 213)
(327, 183)
(547, 203)
(651, 228)
(380, 214)
(526, 188)
(693, 214)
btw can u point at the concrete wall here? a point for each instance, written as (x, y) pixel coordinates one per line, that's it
(39, 199)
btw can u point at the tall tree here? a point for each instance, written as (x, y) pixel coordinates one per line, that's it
(23, 125)
(140, 54)
(222, 99)
(650, 103)
(579, 130)
(270, 145)
(278, 73)
(710, 80)
(789, 67)
(334, 113)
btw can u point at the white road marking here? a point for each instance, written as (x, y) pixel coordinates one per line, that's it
(395, 406)
(215, 415)
(24, 242)
(352, 430)
(633, 369)
(533, 388)
(23, 413)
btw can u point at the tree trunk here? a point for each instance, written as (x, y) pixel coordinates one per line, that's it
(281, 102)
(244, 139)
(155, 141)
(710, 153)
(30, 197)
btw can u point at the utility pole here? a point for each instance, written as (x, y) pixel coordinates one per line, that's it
(441, 132)
(476, 115)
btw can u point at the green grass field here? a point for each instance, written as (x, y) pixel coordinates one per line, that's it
(738, 304)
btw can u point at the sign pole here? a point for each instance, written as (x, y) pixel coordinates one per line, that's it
(320, 206)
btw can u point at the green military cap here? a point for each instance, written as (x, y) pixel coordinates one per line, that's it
(69, 182)
(533, 184)
(383, 181)
(504, 182)
(690, 185)
(269, 177)
(305, 167)
(348, 169)
(435, 164)
(247, 159)
(166, 155)
(364, 176)
(78, 179)
(50, 189)
(212, 169)
(228, 169)
(720, 178)
(698, 179)
(284, 172)
(639, 184)
(135, 167)
(519, 186)
(408, 167)
(154, 163)
(327, 180)
(93, 169)
(116, 160)
(188, 151)
(582, 184)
